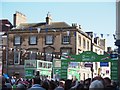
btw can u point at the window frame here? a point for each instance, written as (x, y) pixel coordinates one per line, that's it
(19, 39)
(46, 39)
(32, 55)
(84, 43)
(18, 56)
(30, 40)
(88, 45)
(64, 41)
(79, 40)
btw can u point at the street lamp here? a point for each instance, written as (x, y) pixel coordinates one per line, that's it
(7, 25)
(117, 43)
(1, 53)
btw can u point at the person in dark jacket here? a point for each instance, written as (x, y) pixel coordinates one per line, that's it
(108, 84)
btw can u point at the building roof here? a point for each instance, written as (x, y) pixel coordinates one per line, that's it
(43, 25)
(5, 25)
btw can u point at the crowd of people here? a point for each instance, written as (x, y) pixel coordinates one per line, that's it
(36, 83)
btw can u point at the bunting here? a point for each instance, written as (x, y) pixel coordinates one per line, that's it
(46, 30)
(108, 34)
(30, 28)
(95, 34)
(38, 29)
(104, 35)
(22, 27)
(101, 35)
(74, 33)
(68, 33)
(114, 36)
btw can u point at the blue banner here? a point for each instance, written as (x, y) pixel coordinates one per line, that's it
(104, 64)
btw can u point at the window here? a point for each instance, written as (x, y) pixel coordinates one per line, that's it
(40, 64)
(49, 65)
(48, 56)
(32, 55)
(17, 40)
(57, 64)
(79, 40)
(49, 53)
(66, 40)
(44, 65)
(96, 50)
(49, 39)
(33, 40)
(96, 66)
(87, 45)
(100, 52)
(66, 51)
(84, 43)
(16, 57)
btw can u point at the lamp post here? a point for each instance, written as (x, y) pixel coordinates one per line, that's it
(7, 25)
(1, 53)
(117, 43)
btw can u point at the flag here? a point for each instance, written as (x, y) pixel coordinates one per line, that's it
(22, 27)
(68, 33)
(54, 30)
(101, 35)
(38, 29)
(114, 36)
(74, 33)
(95, 34)
(108, 35)
(30, 28)
(46, 29)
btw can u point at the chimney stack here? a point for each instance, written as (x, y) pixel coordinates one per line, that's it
(48, 18)
(19, 18)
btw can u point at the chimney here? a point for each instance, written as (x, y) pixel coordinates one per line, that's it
(48, 19)
(19, 18)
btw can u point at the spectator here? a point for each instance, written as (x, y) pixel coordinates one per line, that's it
(3, 83)
(61, 85)
(108, 84)
(36, 84)
(21, 87)
(68, 84)
(9, 86)
(46, 85)
(87, 83)
(96, 84)
(80, 87)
